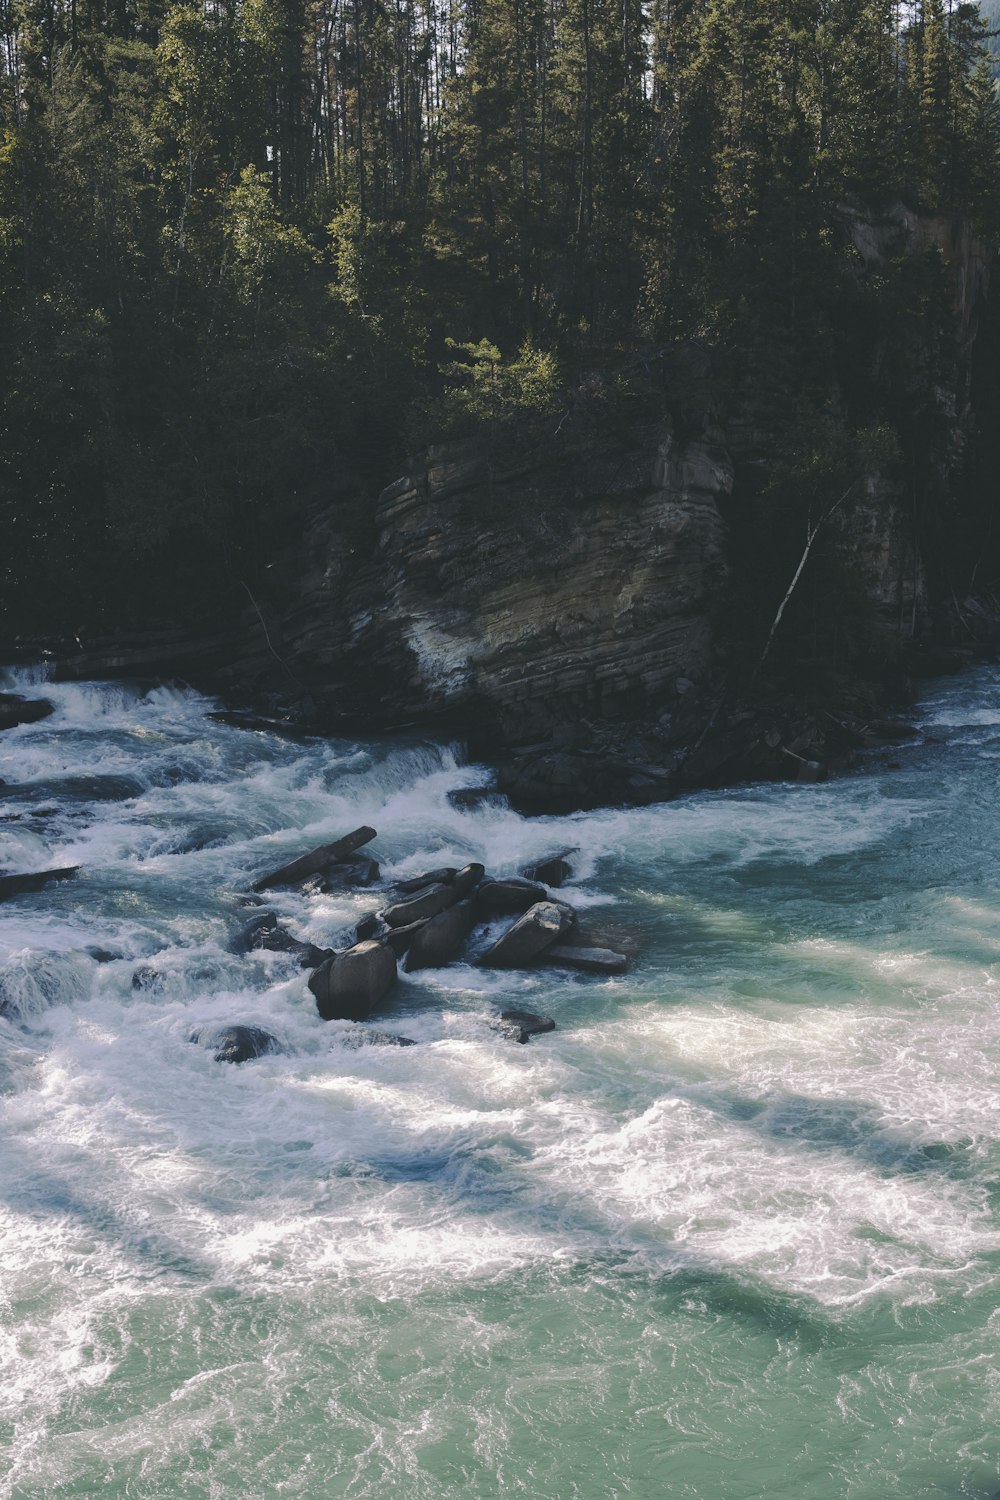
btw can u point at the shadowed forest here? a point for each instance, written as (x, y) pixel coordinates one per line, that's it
(251, 254)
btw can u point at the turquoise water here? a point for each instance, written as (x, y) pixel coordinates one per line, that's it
(731, 1231)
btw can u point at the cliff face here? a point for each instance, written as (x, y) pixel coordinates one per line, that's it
(538, 594)
(550, 596)
(515, 596)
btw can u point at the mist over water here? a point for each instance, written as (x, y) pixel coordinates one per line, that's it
(731, 1231)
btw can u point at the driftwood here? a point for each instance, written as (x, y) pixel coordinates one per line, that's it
(316, 860)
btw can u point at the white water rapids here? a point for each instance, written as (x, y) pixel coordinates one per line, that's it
(731, 1231)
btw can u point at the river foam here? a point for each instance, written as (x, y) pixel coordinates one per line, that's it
(742, 1203)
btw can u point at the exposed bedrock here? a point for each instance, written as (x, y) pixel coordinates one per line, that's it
(556, 601)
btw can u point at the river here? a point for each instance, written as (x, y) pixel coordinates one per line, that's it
(731, 1231)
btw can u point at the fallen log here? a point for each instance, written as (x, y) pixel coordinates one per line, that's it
(316, 860)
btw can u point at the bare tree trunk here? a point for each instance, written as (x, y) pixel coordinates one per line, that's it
(812, 532)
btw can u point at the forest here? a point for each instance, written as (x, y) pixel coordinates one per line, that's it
(253, 252)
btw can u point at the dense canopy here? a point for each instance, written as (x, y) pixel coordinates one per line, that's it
(251, 251)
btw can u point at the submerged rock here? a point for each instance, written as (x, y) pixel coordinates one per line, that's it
(16, 710)
(561, 781)
(264, 933)
(554, 870)
(34, 880)
(110, 788)
(471, 798)
(541, 926)
(238, 718)
(891, 730)
(237, 1044)
(364, 1037)
(522, 1025)
(349, 986)
(145, 977)
(586, 960)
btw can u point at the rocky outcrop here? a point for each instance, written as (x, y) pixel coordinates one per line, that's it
(554, 599)
(509, 594)
(15, 710)
(530, 594)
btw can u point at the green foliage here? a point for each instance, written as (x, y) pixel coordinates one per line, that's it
(247, 246)
(485, 392)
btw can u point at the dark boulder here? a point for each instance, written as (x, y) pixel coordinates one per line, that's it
(35, 880)
(237, 1044)
(512, 895)
(440, 938)
(435, 898)
(255, 933)
(414, 883)
(561, 781)
(374, 928)
(103, 955)
(471, 798)
(466, 881)
(350, 986)
(363, 1036)
(541, 926)
(316, 861)
(616, 937)
(400, 938)
(554, 870)
(77, 789)
(244, 719)
(146, 978)
(522, 1025)
(586, 960)
(16, 710)
(418, 908)
(263, 933)
(891, 730)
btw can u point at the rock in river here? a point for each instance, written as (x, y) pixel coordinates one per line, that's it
(554, 870)
(587, 960)
(350, 986)
(513, 894)
(439, 938)
(16, 710)
(237, 1044)
(522, 1025)
(434, 898)
(36, 880)
(541, 926)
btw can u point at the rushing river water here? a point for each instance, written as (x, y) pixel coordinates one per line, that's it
(733, 1230)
